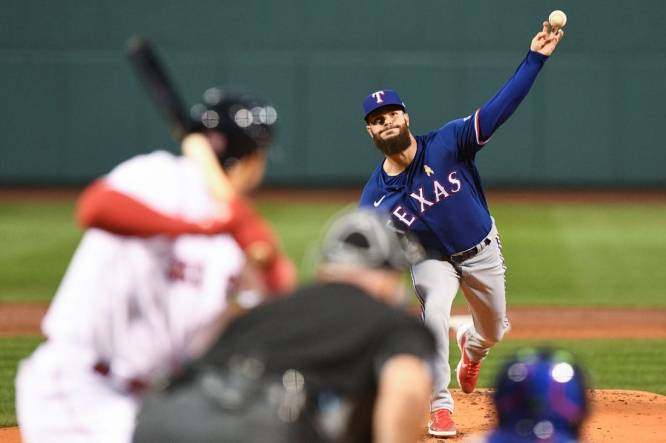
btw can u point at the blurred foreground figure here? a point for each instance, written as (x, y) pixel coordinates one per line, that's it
(540, 398)
(336, 361)
(135, 307)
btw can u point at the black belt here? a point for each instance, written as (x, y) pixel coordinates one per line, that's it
(471, 252)
(459, 257)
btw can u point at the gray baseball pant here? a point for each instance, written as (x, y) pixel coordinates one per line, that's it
(482, 280)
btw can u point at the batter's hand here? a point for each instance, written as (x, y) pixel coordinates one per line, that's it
(546, 41)
(280, 276)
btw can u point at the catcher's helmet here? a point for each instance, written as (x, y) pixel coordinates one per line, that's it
(365, 238)
(540, 397)
(247, 122)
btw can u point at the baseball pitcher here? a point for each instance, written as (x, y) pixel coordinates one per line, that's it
(430, 186)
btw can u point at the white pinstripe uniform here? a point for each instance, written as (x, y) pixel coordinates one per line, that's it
(134, 309)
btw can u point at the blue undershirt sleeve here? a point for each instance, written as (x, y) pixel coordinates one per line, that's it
(499, 108)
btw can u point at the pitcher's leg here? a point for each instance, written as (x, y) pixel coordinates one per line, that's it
(483, 284)
(436, 283)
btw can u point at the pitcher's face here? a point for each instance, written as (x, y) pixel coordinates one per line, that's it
(389, 129)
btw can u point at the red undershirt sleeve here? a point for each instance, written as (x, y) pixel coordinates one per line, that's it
(102, 207)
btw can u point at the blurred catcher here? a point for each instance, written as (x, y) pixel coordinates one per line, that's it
(334, 362)
(540, 397)
(131, 311)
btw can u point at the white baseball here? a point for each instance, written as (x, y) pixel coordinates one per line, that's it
(557, 19)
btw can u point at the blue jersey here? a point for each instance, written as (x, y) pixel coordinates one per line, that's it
(439, 197)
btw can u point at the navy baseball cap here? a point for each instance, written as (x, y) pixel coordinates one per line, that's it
(381, 98)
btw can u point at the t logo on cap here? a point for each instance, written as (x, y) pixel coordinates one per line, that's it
(378, 96)
(381, 98)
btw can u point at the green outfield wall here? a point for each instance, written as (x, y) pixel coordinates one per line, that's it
(71, 108)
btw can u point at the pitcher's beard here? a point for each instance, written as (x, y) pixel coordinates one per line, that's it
(395, 144)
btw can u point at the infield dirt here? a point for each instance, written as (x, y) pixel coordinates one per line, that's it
(526, 322)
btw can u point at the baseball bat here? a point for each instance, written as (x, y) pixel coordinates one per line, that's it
(153, 76)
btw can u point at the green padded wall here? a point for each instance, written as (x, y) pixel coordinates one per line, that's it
(72, 109)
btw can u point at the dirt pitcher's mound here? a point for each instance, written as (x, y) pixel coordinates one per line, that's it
(617, 416)
(10, 435)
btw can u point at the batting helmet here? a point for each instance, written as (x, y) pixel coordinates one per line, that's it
(247, 123)
(365, 238)
(540, 397)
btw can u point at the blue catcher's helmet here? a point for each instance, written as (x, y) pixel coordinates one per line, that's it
(540, 397)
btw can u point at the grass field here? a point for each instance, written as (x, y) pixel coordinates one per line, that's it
(12, 350)
(558, 254)
(37, 242)
(610, 364)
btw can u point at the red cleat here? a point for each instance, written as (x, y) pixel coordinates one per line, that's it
(467, 371)
(441, 424)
